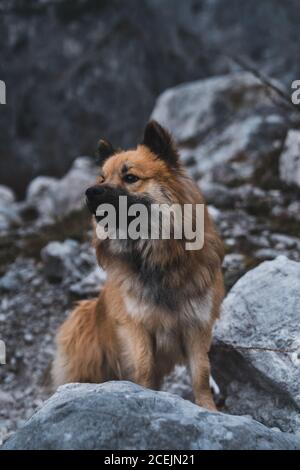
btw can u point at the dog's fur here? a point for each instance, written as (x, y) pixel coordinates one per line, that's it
(160, 301)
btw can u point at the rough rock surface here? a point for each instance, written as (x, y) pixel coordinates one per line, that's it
(216, 122)
(54, 209)
(235, 265)
(122, 415)
(32, 307)
(53, 199)
(257, 343)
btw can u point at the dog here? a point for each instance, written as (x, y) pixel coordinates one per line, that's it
(160, 300)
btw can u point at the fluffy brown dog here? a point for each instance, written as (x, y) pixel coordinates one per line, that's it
(160, 300)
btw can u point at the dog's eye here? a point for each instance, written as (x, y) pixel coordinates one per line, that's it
(130, 178)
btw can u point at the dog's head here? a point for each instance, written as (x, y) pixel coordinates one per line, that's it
(150, 176)
(144, 175)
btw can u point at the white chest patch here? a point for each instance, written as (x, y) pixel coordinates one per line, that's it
(137, 309)
(195, 311)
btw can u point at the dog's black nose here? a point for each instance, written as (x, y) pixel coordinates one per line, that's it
(93, 192)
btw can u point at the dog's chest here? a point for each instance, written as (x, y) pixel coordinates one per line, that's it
(167, 341)
(190, 313)
(170, 329)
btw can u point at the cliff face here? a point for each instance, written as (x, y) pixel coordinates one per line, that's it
(83, 69)
(76, 73)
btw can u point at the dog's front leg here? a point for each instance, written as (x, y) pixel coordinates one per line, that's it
(197, 351)
(141, 355)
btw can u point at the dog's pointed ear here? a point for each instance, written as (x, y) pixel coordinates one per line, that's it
(160, 142)
(104, 151)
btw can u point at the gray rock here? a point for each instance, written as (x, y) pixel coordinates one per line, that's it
(290, 159)
(227, 125)
(40, 196)
(54, 209)
(179, 383)
(183, 107)
(7, 196)
(58, 258)
(54, 199)
(217, 194)
(89, 285)
(75, 263)
(3, 433)
(122, 415)
(234, 266)
(257, 344)
(293, 210)
(215, 213)
(8, 209)
(264, 254)
(14, 276)
(5, 398)
(285, 241)
(8, 218)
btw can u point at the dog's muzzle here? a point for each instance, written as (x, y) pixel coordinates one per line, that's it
(108, 194)
(103, 194)
(95, 196)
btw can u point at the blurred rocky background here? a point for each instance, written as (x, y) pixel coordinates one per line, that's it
(218, 74)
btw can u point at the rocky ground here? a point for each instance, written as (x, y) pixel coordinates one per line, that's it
(243, 150)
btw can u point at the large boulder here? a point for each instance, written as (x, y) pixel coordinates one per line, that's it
(256, 350)
(226, 127)
(122, 415)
